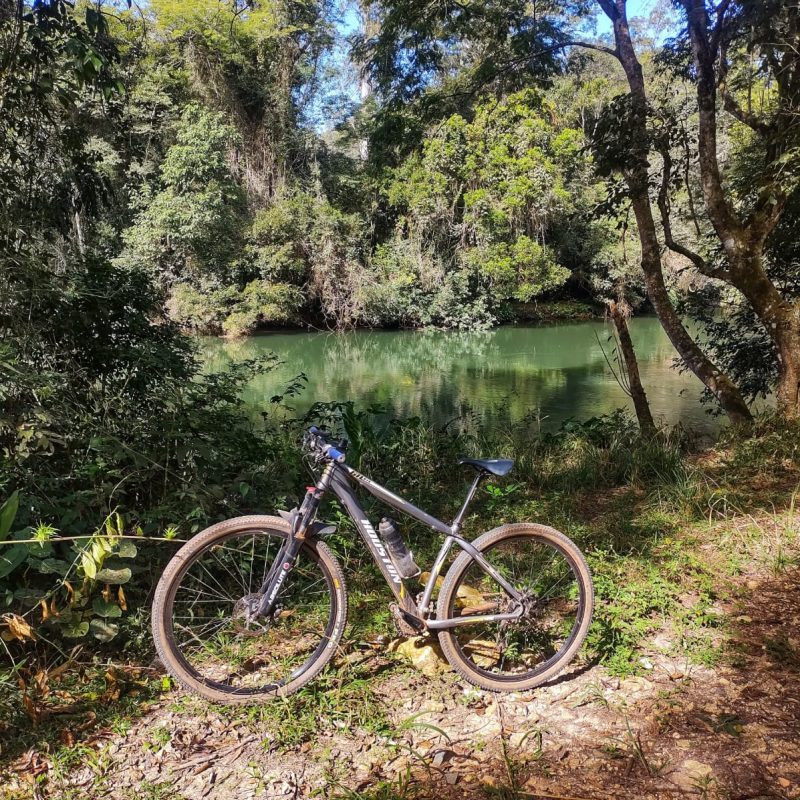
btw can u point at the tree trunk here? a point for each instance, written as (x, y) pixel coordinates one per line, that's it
(780, 317)
(787, 392)
(619, 313)
(370, 28)
(637, 178)
(743, 239)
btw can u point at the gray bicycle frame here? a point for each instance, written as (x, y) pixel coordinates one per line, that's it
(337, 478)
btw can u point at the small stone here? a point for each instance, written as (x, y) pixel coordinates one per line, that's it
(690, 774)
(784, 782)
(398, 765)
(423, 653)
(451, 778)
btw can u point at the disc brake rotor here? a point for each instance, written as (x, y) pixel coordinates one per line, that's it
(244, 619)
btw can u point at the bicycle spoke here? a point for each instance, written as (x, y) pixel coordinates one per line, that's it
(215, 600)
(516, 648)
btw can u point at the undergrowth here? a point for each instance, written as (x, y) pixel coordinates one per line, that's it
(667, 533)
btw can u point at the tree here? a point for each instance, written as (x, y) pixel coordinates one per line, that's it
(417, 40)
(630, 114)
(770, 32)
(491, 207)
(620, 311)
(191, 226)
(743, 224)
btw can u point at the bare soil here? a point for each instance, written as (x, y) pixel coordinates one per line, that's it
(730, 731)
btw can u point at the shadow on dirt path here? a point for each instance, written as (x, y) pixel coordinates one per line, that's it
(729, 731)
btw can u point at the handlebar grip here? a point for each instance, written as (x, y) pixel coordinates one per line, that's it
(336, 455)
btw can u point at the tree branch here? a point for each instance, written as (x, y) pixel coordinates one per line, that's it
(697, 260)
(765, 216)
(716, 34)
(729, 102)
(502, 66)
(745, 117)
(609, 9)
(612, 51)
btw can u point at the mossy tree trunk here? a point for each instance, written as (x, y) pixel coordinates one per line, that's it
(619, 311)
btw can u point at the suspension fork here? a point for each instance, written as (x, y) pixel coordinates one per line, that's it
(287, 555)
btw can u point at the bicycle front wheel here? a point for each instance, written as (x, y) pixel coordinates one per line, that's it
(553, 578)
(203, 627)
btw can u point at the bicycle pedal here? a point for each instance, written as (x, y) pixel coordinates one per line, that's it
(402, 623)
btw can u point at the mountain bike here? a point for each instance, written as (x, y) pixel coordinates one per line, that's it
(255, 607)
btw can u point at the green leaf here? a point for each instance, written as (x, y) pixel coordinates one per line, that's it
(75, 629)
(11, 558)
(8, 511)
(54, 566)
(126, 549)
(104, 631)
(110, 575)
(89, 565)
(105, 609)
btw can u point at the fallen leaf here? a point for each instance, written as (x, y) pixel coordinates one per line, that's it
(18, 628)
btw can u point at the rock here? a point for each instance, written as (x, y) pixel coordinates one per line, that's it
(451, 778)
(691, 774)
(784, 782)
(400, 764)
(483, 652)
(423, 579)
(663, 642)
(423, 653)
(467, 597)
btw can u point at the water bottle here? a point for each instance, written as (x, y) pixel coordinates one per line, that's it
(401, 556)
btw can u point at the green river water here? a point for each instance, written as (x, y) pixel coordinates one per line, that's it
(550, 373)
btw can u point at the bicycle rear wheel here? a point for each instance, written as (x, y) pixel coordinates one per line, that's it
(201, 626)
(553, 577)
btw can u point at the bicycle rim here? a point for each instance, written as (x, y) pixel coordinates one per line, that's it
(517, 651)
(206, 614)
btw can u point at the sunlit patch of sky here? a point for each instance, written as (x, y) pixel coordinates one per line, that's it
(636, 8)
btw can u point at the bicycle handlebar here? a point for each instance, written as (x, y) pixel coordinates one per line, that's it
(318, 440)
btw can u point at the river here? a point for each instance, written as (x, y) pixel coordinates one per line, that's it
(548, 373)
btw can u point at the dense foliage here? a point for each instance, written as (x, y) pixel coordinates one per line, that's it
(197, 166)
(219, 179)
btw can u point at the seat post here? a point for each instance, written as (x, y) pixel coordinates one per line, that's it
(472, 489)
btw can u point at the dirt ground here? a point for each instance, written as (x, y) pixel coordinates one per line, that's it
(678, 730)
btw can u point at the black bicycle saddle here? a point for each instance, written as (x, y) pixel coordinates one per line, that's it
(495, 466)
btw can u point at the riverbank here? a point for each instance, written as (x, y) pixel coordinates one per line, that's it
(536, 312)
(688, 684)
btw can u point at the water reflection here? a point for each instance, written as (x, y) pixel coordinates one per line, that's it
(558, 372)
